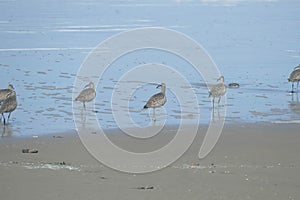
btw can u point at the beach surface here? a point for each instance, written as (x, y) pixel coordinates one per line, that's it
(250, 161)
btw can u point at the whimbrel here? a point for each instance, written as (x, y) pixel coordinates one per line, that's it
(87, 94)
(157, 100)
(295, 77)
(217, 91)
(5, 92)
(8, 105)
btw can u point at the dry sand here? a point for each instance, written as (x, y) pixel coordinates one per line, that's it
(254, 161)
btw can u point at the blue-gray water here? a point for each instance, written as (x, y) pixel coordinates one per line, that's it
(43, 44)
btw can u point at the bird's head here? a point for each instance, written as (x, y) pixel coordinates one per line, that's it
(298, 67)
(11, 87)
(90, 85)
(221, 79)
(161, 85)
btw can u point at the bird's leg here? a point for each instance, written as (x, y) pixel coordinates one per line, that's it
(297, 86)
(3, 118)
(8, 117)
(219, 100)
(84, 105)
(213, 102)
(292, 87)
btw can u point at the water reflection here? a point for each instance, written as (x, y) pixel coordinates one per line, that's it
(214, 131)
(218, 113)
(294, 105)
(213, 113)
(84, 118)
(6, 130)
(43, 69)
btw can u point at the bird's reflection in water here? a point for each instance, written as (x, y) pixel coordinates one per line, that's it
(86, 119)
(83, 117)
(294, 105)
(216, 116)
(214, 110)
(6, 130)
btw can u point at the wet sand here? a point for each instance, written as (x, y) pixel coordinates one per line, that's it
(250, 161)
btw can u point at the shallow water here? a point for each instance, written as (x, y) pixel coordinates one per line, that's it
(254, 43)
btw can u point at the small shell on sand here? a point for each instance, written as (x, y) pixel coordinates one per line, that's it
(144, 188)
(57, 136)
(30, 151)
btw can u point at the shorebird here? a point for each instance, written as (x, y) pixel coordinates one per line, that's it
(217, 91)
(8, 105)
(5, 92)
(87, 94)
(295, 77)
(157, 100)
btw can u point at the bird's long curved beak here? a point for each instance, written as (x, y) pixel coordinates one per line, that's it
(158, 86)
(9, 94)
